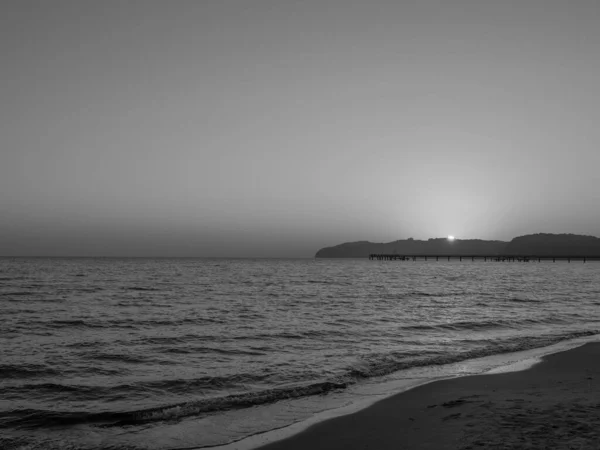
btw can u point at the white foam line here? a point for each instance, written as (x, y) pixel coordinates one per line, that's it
(268, 437)
(525, 360)
(534, 356)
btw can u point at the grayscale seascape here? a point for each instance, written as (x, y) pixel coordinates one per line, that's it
(292, 225)
(179, 353)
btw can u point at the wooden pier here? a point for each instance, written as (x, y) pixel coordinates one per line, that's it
(491, 258)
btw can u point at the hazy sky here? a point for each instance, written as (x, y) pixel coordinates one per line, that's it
(274, 128)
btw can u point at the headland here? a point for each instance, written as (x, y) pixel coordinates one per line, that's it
(540, 245)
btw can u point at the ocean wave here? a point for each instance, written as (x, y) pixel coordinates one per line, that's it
(169, 340)
(524, 300)
(369, 366)
(41, 443)
(426, 294)
(120, 357)
(127, 323)
(36, 389)
(10, 371)
(73, 323)
(174, 322)
(141, 288)
(17, 293)
(483, 325)
(89, 289)
(384, 364)
(200, 385)
(208, 350)
(35, 418)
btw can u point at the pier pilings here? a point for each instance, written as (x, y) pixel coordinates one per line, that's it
(484, 258)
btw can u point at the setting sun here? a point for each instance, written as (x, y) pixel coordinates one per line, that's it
(450, 238)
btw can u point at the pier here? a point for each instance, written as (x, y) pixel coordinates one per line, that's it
(485, 258)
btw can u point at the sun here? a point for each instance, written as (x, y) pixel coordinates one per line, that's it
(450, 238)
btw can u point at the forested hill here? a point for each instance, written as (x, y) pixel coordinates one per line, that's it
(434, 246)
(541, 244)
(544, 244)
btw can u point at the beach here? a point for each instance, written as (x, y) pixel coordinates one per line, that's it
(555, 405)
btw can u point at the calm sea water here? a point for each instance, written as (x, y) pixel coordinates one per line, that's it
(181, 353)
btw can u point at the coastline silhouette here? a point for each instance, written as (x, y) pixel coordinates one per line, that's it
(541, 244)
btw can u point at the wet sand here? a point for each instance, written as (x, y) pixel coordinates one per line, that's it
(553, 405)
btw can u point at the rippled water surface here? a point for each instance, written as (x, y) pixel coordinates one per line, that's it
(173, 353)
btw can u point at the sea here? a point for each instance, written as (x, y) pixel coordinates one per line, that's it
(143, 353)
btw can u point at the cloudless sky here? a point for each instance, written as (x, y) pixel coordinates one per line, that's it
(274, 128)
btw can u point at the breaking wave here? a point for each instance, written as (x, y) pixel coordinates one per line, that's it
(371, 366)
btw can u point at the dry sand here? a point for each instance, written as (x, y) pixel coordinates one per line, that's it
(553, 405)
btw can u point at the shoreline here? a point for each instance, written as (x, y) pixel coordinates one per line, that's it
(289, 436)
(553, 404)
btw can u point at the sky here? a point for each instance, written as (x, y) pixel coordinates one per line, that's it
(272, 128)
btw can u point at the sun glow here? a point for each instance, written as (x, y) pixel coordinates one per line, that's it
(450, 238)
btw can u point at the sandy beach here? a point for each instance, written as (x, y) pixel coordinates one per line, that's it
(553, 405)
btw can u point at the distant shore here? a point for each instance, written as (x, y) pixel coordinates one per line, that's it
(540, 245)
(555, 404)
